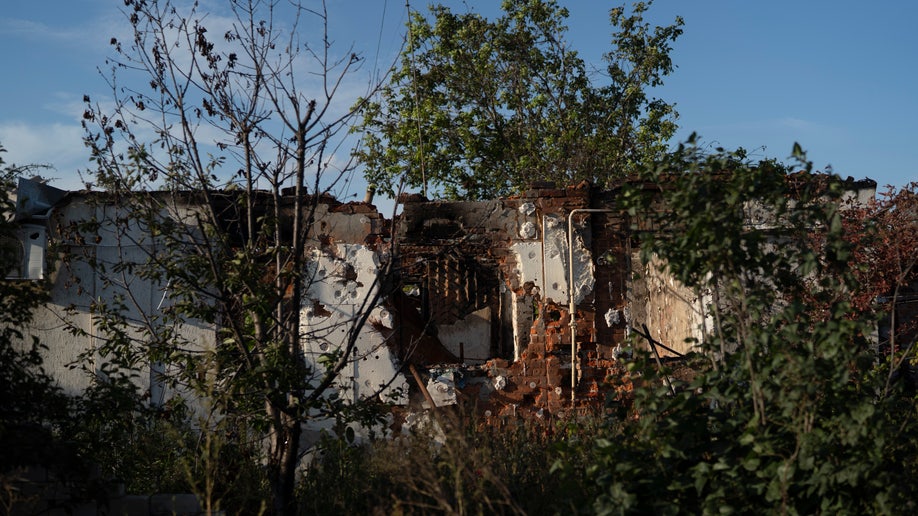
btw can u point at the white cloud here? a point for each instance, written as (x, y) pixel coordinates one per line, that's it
(29, 29)
(91, 34)
(57, 145)
(806, 126)
(782, 125)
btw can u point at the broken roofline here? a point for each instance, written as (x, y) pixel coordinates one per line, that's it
(229, 206)
(55, 197)
(221, 198)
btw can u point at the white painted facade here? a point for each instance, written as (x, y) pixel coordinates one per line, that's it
(97, 267)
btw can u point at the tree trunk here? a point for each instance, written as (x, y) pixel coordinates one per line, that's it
(282, 469)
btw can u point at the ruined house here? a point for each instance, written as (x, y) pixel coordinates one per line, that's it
(515, 306)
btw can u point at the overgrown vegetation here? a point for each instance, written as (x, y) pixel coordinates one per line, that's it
(215, 149)
(454, 465)
(794, 412)
(25, 433)
(795, 408)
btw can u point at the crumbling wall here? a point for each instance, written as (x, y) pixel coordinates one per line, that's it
(671, 311)
(476, 298)
(343, 283)
(519, 251)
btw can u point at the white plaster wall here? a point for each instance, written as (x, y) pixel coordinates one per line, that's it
(68, 326)
(545, 264)
(861, 196)
(556, 255)
(555, 258)
(584, 270)
(331, 306)
(472, 334)
(372, 370)
(528, 256)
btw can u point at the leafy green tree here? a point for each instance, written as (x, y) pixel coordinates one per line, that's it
(791, 413)
(480, 108)
(214, 152)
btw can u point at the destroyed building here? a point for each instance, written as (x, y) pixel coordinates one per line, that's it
(515, 306)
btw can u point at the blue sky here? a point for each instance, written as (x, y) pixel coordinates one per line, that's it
(840, 77)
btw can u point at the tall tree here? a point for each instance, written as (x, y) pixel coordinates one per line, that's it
(479, 108)
(215, 149)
